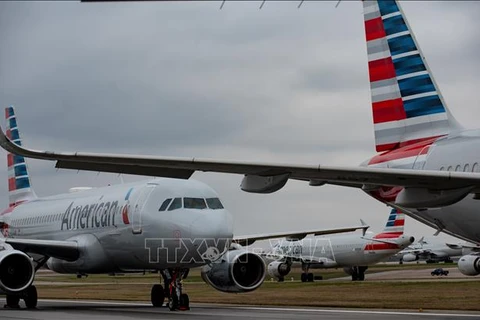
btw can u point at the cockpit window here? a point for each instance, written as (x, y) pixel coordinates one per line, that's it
(194, 203)
(165, 204)
(214, 203)
(176, 204)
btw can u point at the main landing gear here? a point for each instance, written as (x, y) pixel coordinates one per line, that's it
(308, 276)
(358, 273)
(29, 296)
(177, 300)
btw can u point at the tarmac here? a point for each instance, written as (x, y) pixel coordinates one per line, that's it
(104, 310)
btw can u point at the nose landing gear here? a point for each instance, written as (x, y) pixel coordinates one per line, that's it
(177, 300)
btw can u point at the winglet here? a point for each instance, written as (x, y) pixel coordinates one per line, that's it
(365, 227)
(12, 147)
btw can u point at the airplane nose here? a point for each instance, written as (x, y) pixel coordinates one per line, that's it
(211, 234)
(213, 224)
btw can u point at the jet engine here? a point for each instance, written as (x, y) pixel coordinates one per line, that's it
(16, 271)
(278, 270)
(469, 265)
(236, 271)
(409, 257)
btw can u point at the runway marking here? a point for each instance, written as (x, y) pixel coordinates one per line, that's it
(403, 313)
(312, 310)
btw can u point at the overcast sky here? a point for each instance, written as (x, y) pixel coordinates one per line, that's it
(187, 79)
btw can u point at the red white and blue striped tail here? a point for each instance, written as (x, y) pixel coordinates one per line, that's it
(19, 188)
(407, 104)
(394, 226)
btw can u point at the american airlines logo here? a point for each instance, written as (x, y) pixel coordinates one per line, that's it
(95, 215)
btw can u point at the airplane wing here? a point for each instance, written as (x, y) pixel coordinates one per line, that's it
(457, 246)
(65, 250)
(248, 240)
(259, 177)
(472, 246)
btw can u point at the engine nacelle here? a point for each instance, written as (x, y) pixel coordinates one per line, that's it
(236, 271)
(469, 265)
(278, 270)
(264, 184)
(409, 257)
(92, 258)
(16, 271)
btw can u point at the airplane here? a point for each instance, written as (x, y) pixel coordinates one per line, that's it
(426, 163)
(352, 252)
(161, 225)
(431, 250)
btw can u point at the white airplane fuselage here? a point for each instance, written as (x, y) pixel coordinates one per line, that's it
(454, 152)
(340, 250)
(120, 227)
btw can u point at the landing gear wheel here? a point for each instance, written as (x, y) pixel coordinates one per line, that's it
(184, 302)
(30, 297)
(173, 302)
(12, 301)
(157, 295)
(310, 277)
(355, 273)
(361, 273)
(303, 277)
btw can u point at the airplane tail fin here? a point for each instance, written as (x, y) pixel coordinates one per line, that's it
(394, 227)
(406, 102)
(19, 187)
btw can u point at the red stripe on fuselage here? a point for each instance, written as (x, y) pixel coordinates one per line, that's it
(386, 193)
(381, 69)
(390, 110)
(388, 235)
(397, 145)
(380, 246)
(374, 29)
(386, 147)
(11, 207)
(409, 149)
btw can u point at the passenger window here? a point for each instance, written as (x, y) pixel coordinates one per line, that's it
(214, 203)
(466, 168)
(194, 203)
(176, 204)
(475, 167)
(165, 204)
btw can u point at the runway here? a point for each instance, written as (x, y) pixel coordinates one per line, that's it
(67, 309)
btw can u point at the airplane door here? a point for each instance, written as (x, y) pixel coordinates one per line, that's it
(420, 162)
(137, 209)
